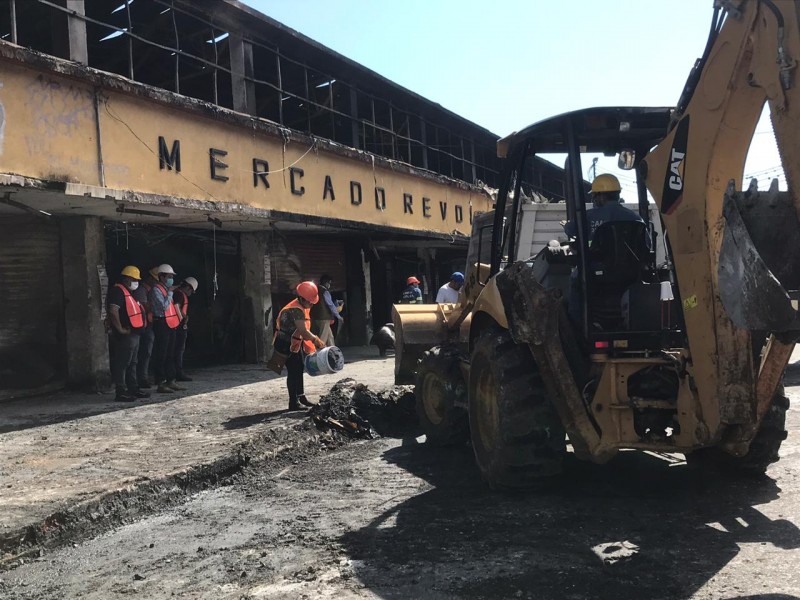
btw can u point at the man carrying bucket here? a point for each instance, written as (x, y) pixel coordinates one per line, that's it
(293, 337)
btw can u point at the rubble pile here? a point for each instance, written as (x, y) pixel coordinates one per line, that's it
(358, 412)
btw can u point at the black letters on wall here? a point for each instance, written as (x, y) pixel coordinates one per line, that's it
(169, 159)
(355, 193)
(328, 189)
(217, 164)
(380, 198)
(260, 171)
(426, 207)
(296, 172)
(407, 201)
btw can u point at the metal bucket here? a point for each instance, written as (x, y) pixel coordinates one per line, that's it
(325, 361)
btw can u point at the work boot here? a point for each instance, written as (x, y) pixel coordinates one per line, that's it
(163, 388)
(293, 405)
(141, 394)
(305, 401)
(183, 377)
(124, 396)
(145, 385)
(175, 387)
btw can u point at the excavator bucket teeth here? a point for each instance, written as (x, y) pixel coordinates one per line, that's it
(759, 262)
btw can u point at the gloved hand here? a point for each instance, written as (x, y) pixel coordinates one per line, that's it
(319, 343)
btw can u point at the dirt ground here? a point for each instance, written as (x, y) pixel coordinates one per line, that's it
(392, 518)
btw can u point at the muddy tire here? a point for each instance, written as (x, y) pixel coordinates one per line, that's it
(439, 387)
(763, 449)
(517, 436)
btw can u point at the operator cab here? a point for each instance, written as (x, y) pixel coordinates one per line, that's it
(616, 277)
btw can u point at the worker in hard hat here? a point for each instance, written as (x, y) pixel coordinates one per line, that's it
(181, 299)
(606, 209)
(412, 294)
(165, 321)
(448, 293)
(147, 336)
(293, 337)
(325, 312)
(126, 318)
(606, 206)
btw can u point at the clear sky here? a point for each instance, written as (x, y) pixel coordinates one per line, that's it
(508, 63)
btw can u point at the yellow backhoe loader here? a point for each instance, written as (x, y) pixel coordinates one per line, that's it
(620, 337)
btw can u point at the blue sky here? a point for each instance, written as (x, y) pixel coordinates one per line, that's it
(510, 63)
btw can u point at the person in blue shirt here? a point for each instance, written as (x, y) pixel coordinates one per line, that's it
(606, 206)
(412, 294)
(324, 312)
(606, 209)
(166, 319)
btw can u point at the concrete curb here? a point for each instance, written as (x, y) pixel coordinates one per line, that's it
(110, 509)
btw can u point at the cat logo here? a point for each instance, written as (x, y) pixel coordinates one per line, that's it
(672, 195)
(676, 170)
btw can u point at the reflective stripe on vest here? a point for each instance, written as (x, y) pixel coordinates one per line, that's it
(132, 308)
(297, 340)
(170, 314)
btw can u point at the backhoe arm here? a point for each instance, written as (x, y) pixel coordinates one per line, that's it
(732, 281)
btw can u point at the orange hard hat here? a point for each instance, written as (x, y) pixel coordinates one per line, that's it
(307, 290)
(411, 280)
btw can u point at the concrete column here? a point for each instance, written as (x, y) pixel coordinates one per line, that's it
(78, 50)
(256, 297)
(358, 310)
(82, 250)
(68, 31)
(244, 90)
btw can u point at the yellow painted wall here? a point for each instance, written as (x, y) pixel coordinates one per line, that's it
(50, 133)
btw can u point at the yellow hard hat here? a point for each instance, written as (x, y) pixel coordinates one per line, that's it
(132, 272)
(605, 183)
(154, 272)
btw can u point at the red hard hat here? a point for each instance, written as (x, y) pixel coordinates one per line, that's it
(308, 291)
(411, 280)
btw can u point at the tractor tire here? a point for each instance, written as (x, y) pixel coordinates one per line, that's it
(763, 449)
(439, 386)
(517, 435)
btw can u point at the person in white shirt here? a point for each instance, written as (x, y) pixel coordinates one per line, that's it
(448, 293)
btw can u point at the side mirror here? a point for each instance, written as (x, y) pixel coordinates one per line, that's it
(626, 160)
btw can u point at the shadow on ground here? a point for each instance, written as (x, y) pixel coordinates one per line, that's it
(460, 540)
(61, 407)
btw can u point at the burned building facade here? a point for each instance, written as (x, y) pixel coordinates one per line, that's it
(209, 136)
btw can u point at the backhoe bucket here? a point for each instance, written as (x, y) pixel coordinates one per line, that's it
(759, 262)
(417, 328)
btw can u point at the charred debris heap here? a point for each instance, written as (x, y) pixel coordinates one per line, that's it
(354, 410)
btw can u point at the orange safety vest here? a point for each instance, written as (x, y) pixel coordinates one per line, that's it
(170, 314)
(185, 303)
(132, 307)
(147, 309)
(297, 340)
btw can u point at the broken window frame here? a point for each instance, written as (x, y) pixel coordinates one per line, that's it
(451, 152)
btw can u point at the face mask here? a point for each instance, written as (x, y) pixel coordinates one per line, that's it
(170, 281)
(134, 286)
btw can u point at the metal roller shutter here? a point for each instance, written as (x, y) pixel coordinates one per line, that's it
(31, 303)
(304, 258)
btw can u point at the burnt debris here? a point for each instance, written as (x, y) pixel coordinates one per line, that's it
(354, 410)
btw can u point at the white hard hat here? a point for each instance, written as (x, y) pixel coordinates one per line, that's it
(192, 282)
(165, 268)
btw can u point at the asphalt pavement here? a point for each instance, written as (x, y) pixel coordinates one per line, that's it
(73, 464)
